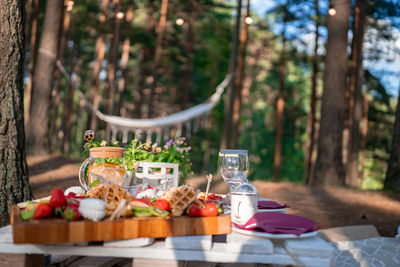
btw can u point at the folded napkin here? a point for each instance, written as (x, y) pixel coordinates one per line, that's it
(278, 223)
(266, 204)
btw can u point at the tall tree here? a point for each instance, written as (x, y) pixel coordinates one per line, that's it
(62, 49)
(355, 105)
(364, 132)
(109, 86)
(392, 180)
(32, 57)
(189, 47)
(94, 92)
(124, 63)
(237, 103)
(68, 111)
(280, 102)
(42, 81)
(14, 177)
(229, 96)
(313, 101)
(144, 59)
(329, 166)
(157, 53)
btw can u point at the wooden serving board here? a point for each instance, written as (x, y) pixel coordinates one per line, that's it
(57, 230)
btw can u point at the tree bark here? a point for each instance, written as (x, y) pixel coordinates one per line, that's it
(364, 133)
(14, 177)
(329, 166)
(42, 81)
(237, 103)
(392, 180)
(124, 64)
(355, 106)
(229, 95)
(157, 53)
(313, 101)
(144, 58)
(94, 92)
(280, 105)
(32, 57)
(109, 86)
(59, 76)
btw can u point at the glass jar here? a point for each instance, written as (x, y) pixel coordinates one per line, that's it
(105, 165)
(244, 203)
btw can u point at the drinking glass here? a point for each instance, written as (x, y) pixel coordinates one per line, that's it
(233, 166)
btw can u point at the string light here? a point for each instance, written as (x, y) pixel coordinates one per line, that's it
(248, 20)
(332, 10)
(120, 15)
(70, 4)
(179, 21)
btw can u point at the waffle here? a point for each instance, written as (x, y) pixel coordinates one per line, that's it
(96, 192)
(113, 195)
(179, 198)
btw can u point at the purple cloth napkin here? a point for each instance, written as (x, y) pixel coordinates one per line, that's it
(266, 204)
(278, 223)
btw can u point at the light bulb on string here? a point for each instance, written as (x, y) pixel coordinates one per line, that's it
(179, 21)
(248, 20)
(332, 10)
(120, 15)
(70, 4)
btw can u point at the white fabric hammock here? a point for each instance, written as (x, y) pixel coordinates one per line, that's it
(149, 125)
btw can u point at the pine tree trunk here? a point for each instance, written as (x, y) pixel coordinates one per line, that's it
(109, 86)
(42, 81)
(124, 65)
(237, 103)
(329, 166)
(157, 53)
(94, 92)
(144, 58)
(280, 105)
(68, 111)
(32, 58)
(355, 107)
(57, 97)
(313, 101)
(29, 10)
(14, 177)
(392, 180)
(229, 95)
(364, 133)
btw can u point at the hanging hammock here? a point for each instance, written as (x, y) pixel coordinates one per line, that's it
(155, 124)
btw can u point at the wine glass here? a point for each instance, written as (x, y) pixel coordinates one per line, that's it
(233, 166)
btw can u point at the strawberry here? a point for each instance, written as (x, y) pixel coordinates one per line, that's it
(194, 211)
(57, 198)
(209, 210)
(161, 204)
(42, 210)
(71, 195)
(71, 212)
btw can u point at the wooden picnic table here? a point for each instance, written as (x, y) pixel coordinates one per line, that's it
(231, 248)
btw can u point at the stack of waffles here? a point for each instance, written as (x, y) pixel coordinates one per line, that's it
(179, 198)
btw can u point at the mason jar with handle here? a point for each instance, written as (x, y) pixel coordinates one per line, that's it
(106, 165)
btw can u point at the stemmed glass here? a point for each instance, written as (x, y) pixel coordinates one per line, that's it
(233, 166)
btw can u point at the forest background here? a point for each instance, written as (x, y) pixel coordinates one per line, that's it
(143, 59)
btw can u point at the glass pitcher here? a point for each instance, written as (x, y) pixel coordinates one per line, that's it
(104, 165)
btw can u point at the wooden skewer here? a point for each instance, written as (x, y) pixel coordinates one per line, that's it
(209, 178)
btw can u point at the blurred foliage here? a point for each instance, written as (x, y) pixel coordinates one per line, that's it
(212, 33)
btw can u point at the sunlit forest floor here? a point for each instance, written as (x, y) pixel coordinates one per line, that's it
(328, 207)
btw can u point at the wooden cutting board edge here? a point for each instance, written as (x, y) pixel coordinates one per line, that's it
(54, 230)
